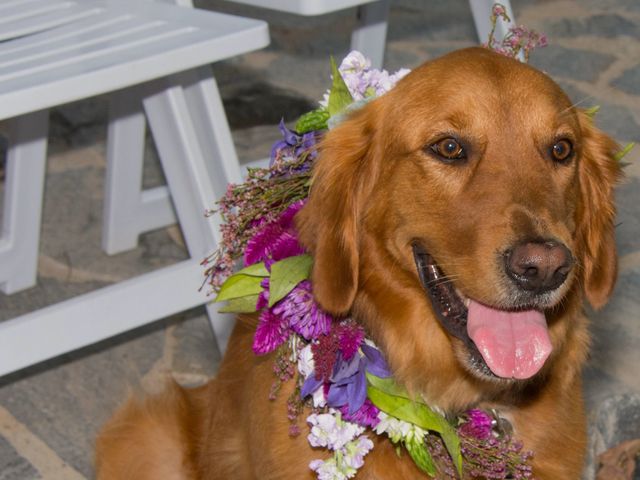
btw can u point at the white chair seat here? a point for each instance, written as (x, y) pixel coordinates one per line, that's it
(54, 52)
(102, 46)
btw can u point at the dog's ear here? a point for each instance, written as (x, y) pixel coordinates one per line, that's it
(328, 225)
(599, 171)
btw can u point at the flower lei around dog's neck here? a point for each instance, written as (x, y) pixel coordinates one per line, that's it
(341, 378)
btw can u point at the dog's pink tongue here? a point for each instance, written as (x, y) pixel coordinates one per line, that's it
(513, 344)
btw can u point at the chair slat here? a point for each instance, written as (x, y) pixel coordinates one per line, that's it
(84, 41)
(118, 45)
(43, 19)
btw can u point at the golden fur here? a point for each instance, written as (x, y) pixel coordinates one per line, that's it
(376, 189)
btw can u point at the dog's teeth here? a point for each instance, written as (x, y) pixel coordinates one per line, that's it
(467, 302)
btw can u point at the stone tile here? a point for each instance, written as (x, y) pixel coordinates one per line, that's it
(13, 466)
(574, 64)
(628, 221)
(607, 5)
(259, 103)
(618, 122)
(602, 25)
(629, 81)
(195, 353)
(255, 143)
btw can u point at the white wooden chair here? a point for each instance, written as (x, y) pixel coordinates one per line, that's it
(369, 34)
(58, 51)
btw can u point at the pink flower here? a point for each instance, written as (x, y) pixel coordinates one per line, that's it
(276, 240)
(272, 332)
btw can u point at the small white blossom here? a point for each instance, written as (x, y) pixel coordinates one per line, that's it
(327, 469)
(318, 397)
(305, 361)
(399, 75)
(362, 81)
(330, 431)
(355, 61)
(345, 461)
(394, 428)
(356, 450)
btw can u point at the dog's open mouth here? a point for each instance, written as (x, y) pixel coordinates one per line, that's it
(503, 343)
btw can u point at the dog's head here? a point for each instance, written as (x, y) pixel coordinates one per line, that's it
(461, 217)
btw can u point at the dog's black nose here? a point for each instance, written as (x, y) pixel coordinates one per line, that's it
(538, 266)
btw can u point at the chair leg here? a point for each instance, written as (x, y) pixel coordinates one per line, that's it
(370, 36)
(193, 188)
(24, 187)
(129, 211)
(210, 121)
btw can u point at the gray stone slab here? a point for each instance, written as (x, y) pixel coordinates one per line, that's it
(628, 221)
(601, 25)
(13, 466)
(629, 81)
(570, 63)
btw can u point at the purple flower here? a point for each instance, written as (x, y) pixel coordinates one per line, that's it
(292, 147)
(272, 332)
(302, 313)
(479, 424)
(365, 416)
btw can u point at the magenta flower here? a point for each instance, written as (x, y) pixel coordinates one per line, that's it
(479, 424)
(272, 332)
(276, 240)
(350, 336)
(302, 313)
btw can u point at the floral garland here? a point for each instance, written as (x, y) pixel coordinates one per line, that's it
(340, 376)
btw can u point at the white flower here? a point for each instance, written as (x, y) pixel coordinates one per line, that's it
(362, 81)
(394, 428)
(327, 469)
(318, 397)
(399, 75)
(355, 61)
(356, 450)
(330, 431)
(305, 361)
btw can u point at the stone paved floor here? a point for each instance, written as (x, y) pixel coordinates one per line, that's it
(50, 413)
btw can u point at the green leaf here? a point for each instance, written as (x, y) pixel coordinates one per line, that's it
(623, 153)
(339, 96)
(245, 304)
(421, 457)
(421, 415)
(255, 270)
(314, 120)
(286, 274)
(239, 285)
(591, 112)
(388, 386)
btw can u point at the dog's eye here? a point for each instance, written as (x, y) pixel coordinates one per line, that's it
(448, 149)
(562, 150)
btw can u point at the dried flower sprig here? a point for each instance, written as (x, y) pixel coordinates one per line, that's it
(519, 39)
(246, 208)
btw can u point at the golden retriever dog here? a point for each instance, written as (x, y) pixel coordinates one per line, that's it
(461, 218)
